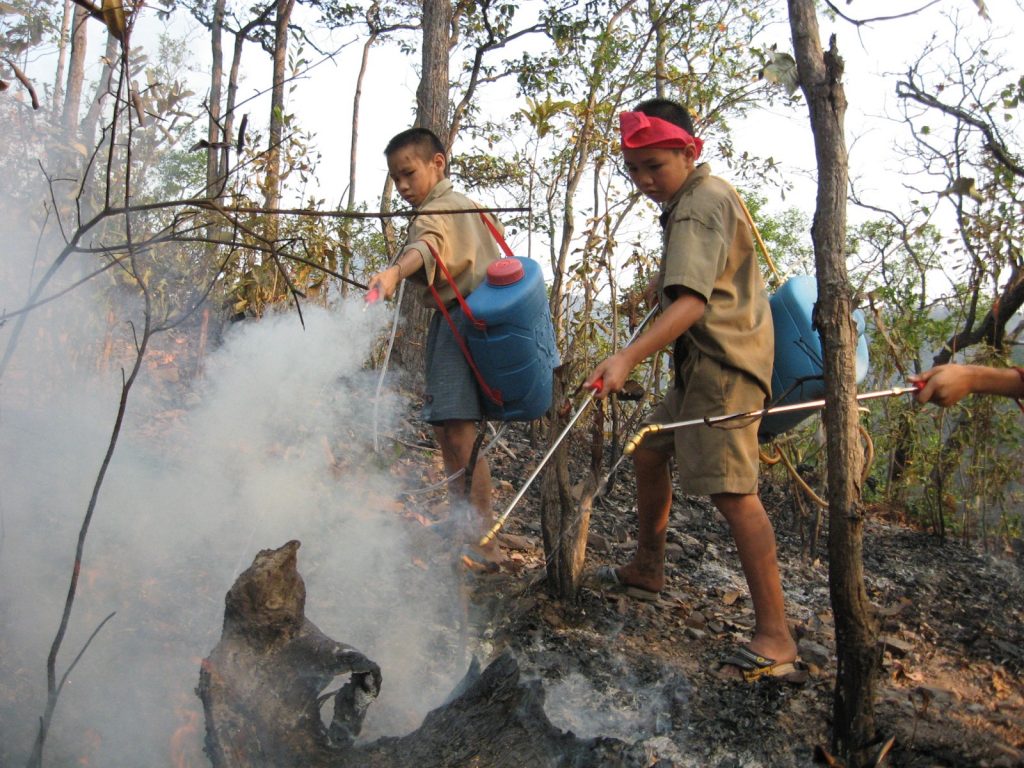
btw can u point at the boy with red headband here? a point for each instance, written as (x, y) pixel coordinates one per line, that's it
(715, 312)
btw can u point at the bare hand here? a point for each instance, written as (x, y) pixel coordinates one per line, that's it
(609, 376)
(385, 282)
(944, 385)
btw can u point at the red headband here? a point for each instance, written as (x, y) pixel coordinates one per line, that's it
(640, 131)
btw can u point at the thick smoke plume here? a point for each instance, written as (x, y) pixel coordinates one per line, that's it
(272, 442)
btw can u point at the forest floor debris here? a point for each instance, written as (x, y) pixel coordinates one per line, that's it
(951, 620)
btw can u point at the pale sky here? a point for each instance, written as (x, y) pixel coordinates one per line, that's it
(874, 54)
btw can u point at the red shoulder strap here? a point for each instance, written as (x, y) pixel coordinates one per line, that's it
(496, 233)
(493, 394)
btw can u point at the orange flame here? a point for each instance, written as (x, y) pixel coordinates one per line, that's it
(183, 740)
(92, 740)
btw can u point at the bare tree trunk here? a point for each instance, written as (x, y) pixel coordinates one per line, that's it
(272, 180)
(346, 230)
(62, 60)
(236, 64)
(657, 16)
(432, 93)
(214, 133)
(565, 521)
(431, 113)
(76, 71)
(856, 630)
(103, 88)
(356, 100)
(272, 193)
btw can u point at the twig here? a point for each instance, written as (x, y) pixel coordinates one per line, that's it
(141, 342)
(85, 647)
(407, 212)
(23, 79)
(861, 22)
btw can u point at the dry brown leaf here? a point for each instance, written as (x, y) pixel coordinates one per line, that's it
(731, 596)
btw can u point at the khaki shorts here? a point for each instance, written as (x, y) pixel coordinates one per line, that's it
(710, 459)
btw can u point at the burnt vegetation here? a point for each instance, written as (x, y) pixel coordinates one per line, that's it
(144, 226)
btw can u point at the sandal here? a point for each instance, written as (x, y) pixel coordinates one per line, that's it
(753, 666)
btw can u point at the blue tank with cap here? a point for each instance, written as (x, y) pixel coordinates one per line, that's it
(797, 375)
(515, 351)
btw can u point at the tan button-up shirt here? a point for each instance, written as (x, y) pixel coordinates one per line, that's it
(461, 240)
(708, 248)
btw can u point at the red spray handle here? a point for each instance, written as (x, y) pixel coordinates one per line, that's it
(372, 295)
(598, 385)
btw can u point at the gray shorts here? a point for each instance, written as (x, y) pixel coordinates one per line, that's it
(451, 391)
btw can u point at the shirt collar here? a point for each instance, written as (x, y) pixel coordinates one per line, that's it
(444, 185)
(700, 173)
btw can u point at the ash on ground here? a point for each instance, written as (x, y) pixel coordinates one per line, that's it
(951, 618)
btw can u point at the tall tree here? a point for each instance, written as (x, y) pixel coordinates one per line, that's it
(213, 133)
(272, 192)
(432, 94)
(821, 78)
(76, 71)
(432, 104)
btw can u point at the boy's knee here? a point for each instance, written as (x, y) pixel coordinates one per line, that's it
(647, 460)
(455, 434)
(736, 505)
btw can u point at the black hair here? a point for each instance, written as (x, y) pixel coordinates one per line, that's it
(669, 111)
(423, 140)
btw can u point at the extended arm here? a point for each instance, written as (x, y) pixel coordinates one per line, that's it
(386, 281)
(680, 315)
(948, 384)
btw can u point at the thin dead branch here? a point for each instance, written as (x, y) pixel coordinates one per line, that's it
(23, 79)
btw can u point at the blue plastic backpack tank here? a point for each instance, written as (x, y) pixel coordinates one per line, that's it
(516, 351)
(797, 375)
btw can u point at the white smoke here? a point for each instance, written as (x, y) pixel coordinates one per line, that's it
(188, 501)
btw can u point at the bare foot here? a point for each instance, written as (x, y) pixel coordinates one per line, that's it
(486, 559)
(649, 578)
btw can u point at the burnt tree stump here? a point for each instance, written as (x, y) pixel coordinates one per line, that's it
(261, 690)
(260, 685)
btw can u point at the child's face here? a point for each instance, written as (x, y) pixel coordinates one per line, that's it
(414, 177)
(659, 173)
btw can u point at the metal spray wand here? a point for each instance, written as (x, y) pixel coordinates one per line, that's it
(710, 421)
(489, 536)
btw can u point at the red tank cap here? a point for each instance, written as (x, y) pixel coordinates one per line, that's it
(505, 272)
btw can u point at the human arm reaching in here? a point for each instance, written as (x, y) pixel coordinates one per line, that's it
(947, 384)
(385, 282)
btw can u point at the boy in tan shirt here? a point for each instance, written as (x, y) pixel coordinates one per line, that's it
(715, 312)
(462, 241)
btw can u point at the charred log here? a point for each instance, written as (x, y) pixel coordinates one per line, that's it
(498, 721)
(261, 690)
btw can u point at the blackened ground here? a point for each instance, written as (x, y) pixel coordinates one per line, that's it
(952, 623)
